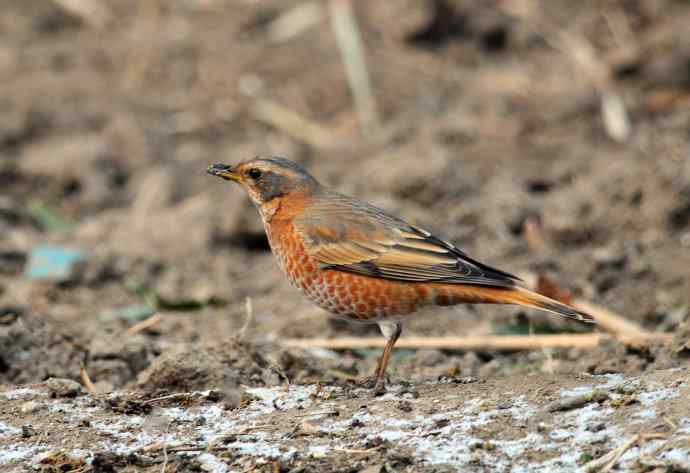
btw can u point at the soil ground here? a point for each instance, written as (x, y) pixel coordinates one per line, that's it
(492, 133)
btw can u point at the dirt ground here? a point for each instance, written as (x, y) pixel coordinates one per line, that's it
(542, 138)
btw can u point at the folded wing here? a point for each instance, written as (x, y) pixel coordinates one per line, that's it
(349, 235)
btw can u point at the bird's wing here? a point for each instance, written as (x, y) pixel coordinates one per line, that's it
(348, 235)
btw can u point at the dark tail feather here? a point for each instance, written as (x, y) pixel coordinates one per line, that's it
(528, 298)
(469, 293)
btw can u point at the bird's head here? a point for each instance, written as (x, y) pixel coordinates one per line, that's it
(265, 179)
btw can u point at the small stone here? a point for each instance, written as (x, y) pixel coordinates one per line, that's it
(575, 402)
(28, 431)
(30, 406)
(61, 387)
(465, 380)
(309, 427)
(596, 427)
(543, 427)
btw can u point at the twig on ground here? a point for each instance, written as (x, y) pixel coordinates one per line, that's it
(574, 402)
(153, 447)
(248, 320)
(357, 450)
(480, 342)
(608, 461)
(174, 396)
(86, 380)
(615, 115)
(320, 413)
(144, 324)
(165, 449)
(609, 320)
(350, 44)
(165, 459)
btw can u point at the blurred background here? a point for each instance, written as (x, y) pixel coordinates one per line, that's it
(546, 138)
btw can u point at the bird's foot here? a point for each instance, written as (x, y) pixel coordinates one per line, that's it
(380, 387)
(376, 384)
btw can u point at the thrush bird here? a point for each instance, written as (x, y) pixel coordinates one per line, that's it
(360, 263)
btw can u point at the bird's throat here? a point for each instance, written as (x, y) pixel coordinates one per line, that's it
(269, 209)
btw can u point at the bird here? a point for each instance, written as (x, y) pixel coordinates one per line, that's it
(362, 264)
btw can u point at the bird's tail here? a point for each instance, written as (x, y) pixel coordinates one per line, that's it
(514, 295)
(525, 297)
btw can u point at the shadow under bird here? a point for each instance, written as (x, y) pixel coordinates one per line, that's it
(360, 263)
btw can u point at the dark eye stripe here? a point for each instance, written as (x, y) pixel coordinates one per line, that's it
(254, 173)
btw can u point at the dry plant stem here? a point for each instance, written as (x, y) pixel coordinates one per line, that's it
(610, 321)
(480, 342)
(144, 324)
(165, 450)
(167, 397)
(86, 380)
(575, 402)
(608, 461)
(248, 320)
(351, 49)
(355, 450)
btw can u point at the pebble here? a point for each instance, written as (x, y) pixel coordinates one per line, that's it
(30, 406)
(61, 387)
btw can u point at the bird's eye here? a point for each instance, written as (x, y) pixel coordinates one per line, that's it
(254, 173)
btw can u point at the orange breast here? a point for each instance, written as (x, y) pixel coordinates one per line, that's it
(344, 294)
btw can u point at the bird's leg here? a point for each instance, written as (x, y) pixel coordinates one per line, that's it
(391, 332)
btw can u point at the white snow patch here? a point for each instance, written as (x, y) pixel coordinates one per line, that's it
(19, 393)
(648, 398)
(272, 399)
(7, 430)
(259, 446)
(644, 414)
(211, 463)
(610, 381)
(14, 452)
(319, 451)
(680, 457)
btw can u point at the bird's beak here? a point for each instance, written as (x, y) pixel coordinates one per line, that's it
(224, 171)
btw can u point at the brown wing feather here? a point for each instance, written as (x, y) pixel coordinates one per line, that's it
(348, 235)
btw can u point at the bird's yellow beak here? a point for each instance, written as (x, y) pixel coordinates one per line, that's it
(224, 171)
